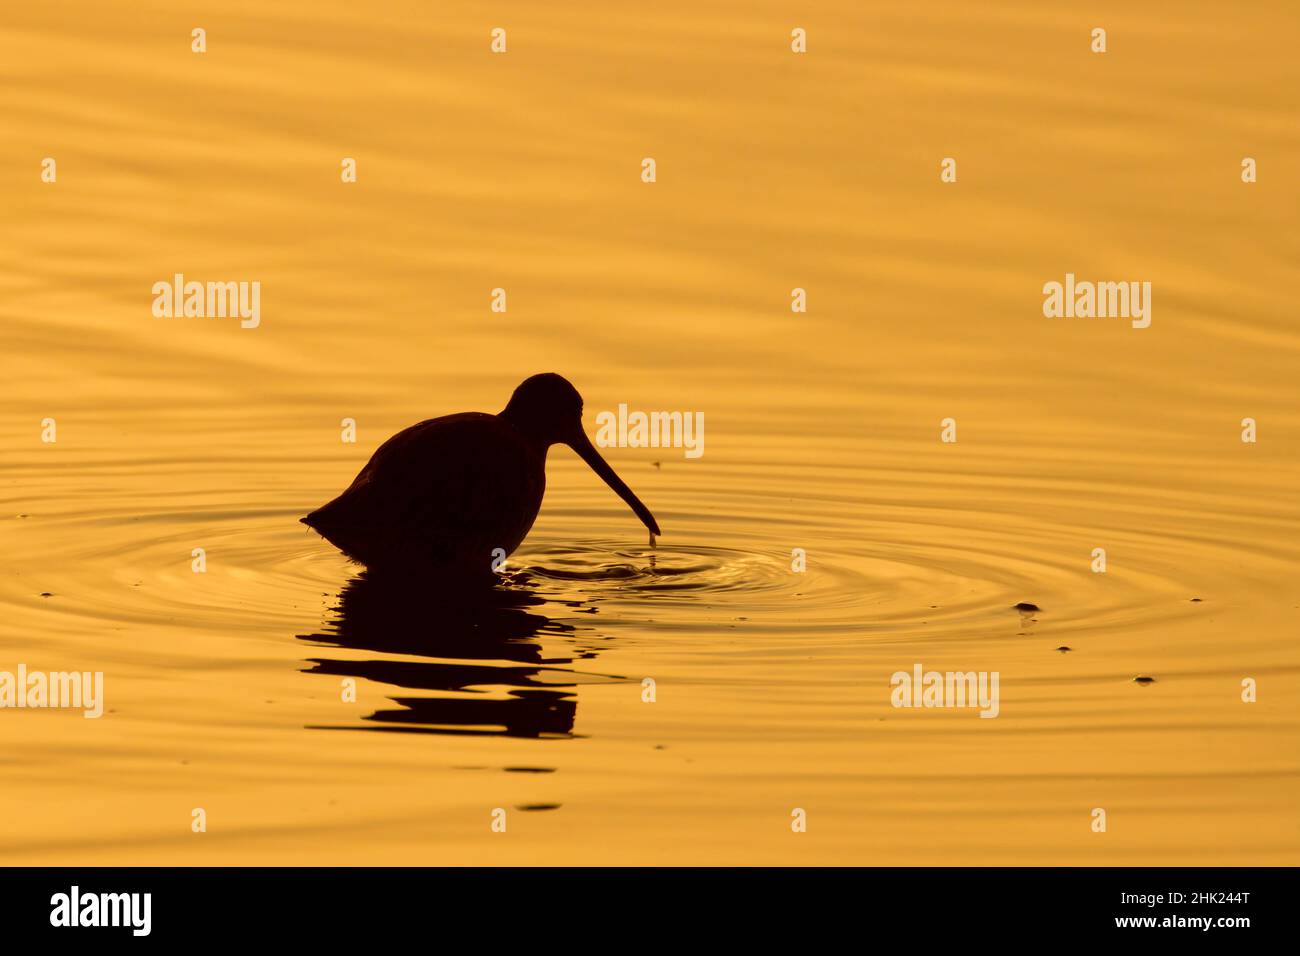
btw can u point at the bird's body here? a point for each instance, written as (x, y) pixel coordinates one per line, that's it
(457, 493)
(445, 492)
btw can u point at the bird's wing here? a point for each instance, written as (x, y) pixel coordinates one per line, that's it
(443, 483)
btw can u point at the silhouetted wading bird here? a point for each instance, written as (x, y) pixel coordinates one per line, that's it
(440, 496)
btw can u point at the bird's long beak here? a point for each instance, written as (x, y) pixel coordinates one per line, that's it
(587, 452)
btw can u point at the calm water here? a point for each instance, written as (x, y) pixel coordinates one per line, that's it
(775, 171)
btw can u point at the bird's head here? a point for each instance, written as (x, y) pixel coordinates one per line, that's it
(548, 409)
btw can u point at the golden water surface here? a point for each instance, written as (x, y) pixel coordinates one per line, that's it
(225, 690)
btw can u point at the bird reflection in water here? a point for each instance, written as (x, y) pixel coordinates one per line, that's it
(482, 658)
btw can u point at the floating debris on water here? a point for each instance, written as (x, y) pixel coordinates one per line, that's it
(1143, 679)
(1065, 649)
(1026, 606)
(1196, 600)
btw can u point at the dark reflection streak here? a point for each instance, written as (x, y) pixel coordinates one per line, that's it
(454, 629)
